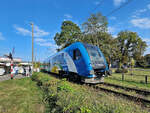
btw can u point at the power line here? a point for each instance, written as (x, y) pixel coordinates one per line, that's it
(99, 4)
(121, 6)
(113, 11)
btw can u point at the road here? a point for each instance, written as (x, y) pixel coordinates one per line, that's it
(7, 77)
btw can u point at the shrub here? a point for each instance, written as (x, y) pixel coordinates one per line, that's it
(119, 70)
(63, 85)
(60, 96)
(34, 76)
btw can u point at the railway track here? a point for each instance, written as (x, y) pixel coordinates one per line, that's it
(139, 91)
(138, 99)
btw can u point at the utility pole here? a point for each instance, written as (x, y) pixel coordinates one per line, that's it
(32, 46)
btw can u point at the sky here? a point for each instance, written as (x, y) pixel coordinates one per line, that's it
(47, 15)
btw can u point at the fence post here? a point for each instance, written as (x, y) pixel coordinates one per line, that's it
(146, 79)
(122, 76)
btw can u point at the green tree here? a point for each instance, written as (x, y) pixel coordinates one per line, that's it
(95, 23)
(95, 32)
(142, 62)
(129, 45)
(69, 34)
(147, 58)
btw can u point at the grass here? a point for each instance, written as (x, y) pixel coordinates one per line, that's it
(62, 96)
(137, 80)
(20, 96)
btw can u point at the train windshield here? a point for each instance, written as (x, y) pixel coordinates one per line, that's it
(97, 60)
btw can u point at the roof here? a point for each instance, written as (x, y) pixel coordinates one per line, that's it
(4, 59)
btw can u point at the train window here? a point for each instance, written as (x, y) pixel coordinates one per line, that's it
(76, 54)
(49, 63)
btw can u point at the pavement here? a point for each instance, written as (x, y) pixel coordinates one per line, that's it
(7, 77)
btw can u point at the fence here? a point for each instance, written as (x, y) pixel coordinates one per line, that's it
(137, 76)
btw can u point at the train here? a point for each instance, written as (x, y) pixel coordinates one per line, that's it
(79, 61)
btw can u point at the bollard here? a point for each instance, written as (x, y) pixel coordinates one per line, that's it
(146, 79)
(122, 76)
(11, 75)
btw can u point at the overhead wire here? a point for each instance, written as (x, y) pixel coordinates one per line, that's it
(115, 10)
(98, 5)
(121, 6)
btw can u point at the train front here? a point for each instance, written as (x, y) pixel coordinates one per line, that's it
(98, 64)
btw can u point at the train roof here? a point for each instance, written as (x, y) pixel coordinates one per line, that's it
(79, 44)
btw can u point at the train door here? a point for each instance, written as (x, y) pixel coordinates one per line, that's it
(79, 62)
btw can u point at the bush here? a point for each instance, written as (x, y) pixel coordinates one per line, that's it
(61, 96)
(34, 76)
(63, 85)
(119, 70)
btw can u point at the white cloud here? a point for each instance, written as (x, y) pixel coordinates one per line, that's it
(40, 32)
(97, 3)
(114, 36)
(142, 10)
(143, 23)
(111, 29)
(147, 51)
(68, 16)
(113, 18)
(1, 36)
(148, 6)
(37, 31)
(22, 31)
(40, 40)
(146, 40)
(46, 42)
(137, 13)
(118, 2)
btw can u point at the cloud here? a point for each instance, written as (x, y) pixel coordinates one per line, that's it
(37, 31)
(68, 16)
(40, 40)
(22, 31)
(46, 42)
(111, 29)
(143, 23)
(113, 18)
(148, 6)
(118, 2)
(147, 40)
(40, 32)
(114, 36)
(97, 3)
(1, 36)
(137, 13)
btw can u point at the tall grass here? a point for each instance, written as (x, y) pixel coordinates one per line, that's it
(62, 96)
(136, 80)
(20, 96)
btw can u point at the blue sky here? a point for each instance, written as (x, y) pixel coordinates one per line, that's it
(47, 15)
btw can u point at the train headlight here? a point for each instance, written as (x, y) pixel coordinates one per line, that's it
(92, 72)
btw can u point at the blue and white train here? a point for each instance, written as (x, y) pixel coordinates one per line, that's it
(79, 61)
